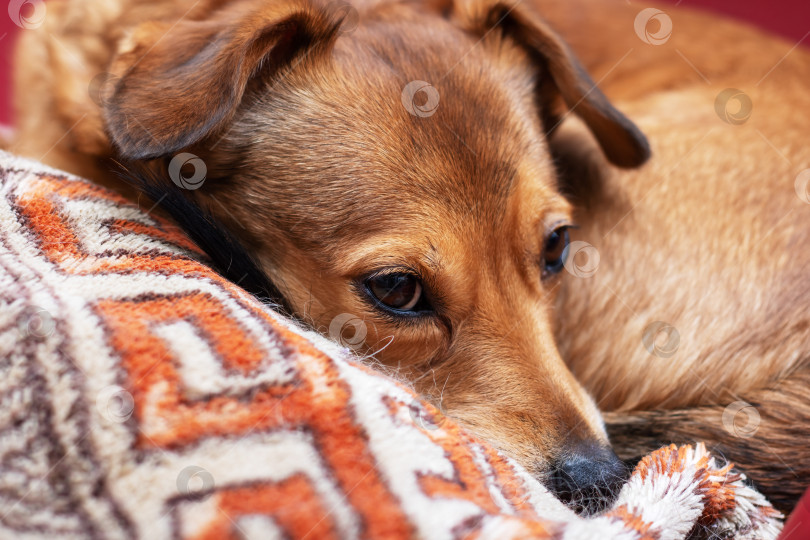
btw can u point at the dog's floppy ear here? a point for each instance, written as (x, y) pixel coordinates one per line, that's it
(568, 84)
(182, 83)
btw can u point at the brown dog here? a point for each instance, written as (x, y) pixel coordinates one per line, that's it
(435, 213)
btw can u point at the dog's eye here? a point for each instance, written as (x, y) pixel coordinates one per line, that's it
(397, 291)
(554, 251)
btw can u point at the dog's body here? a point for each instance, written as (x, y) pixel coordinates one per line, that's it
(708, 237)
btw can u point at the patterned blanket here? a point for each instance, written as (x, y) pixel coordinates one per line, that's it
(144, 396)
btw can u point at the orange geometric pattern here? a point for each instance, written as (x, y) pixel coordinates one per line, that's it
(145, 396)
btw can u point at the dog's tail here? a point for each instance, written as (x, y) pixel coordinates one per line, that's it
(765, 434)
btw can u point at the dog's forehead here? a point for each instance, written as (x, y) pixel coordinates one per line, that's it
(453, 115)
(401, 117)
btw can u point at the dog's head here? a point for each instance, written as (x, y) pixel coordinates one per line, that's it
(391, 169)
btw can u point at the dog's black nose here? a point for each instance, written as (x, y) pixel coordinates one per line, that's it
(588, 478)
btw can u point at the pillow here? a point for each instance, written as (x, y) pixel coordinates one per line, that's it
(144, 396)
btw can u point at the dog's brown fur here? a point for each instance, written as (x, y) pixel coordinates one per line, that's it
(326, 177)
(709, 237)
